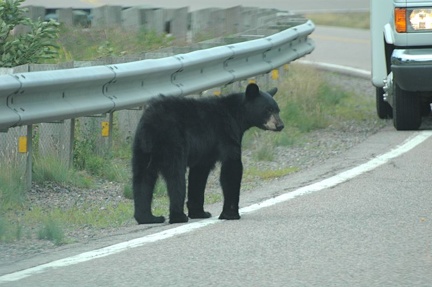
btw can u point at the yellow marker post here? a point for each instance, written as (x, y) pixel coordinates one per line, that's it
(105, 129)
(22, 144)
(275, 74)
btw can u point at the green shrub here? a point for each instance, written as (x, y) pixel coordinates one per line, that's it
(52, 231)
(51, 168)
(32, 47)
(96, 43)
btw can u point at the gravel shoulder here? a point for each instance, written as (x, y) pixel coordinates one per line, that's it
(320, 146)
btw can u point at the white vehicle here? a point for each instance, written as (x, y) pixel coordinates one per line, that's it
(401, 34)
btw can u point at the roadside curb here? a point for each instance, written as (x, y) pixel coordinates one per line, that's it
(358, 73)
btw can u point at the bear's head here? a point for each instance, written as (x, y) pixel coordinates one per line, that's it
(261, 109)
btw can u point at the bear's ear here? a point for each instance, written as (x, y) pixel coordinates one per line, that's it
(273, 91)
(252, 91)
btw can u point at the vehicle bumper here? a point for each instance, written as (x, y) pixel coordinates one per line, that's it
(412, 69)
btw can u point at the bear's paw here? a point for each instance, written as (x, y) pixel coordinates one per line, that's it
(178, 218)
(150, 219)
(229, 215)
(199, 214)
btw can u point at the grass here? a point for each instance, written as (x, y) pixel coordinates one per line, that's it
(90, 44)
(91, 154)
(51, 230)
(50, 168)
(12, 194)
(9, 231)
(355, 20)
(268, 174)
(111, 214)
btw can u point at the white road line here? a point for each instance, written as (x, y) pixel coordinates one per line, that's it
(409, 144)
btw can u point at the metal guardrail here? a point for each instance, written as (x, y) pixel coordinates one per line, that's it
(30, 98)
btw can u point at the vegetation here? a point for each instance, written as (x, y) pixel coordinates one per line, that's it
(268, 174)
(51, 230)
(107, 42)
(92, 155)
(24, 41)
(52, 169)
(12, 193)
(357, 20)
(34, 46)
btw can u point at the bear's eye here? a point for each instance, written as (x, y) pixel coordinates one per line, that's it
(269, 110)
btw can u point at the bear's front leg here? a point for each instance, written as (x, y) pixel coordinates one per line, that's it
(230, 178)
(196, 186)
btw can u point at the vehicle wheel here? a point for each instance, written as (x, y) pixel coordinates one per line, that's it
(384, 110)
(406, 109)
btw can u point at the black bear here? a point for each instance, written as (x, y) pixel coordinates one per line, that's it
(176, 133)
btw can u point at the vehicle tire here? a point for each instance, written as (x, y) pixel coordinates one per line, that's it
(406, 109)
(384, 110)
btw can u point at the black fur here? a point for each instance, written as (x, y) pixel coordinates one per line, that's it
(176, 133)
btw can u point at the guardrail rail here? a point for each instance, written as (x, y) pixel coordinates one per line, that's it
(46, 96)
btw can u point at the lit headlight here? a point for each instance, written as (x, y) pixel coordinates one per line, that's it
(420, 19)
(413, 19)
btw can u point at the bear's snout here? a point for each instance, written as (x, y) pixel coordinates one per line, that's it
(274, 123)
(280, 127)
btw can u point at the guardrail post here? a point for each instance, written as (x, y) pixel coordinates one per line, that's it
(111, 126)
(71, 142)
(29, 162)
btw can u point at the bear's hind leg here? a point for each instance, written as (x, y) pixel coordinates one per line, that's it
(198, 176)
(143, 185)
(176, 185)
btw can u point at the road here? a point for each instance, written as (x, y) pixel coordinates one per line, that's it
(362, 218)
(342, 46)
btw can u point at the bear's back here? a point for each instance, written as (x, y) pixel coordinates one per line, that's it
(211, 112)
(201, 127)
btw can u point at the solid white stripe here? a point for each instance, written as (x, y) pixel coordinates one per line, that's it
(409, 144)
